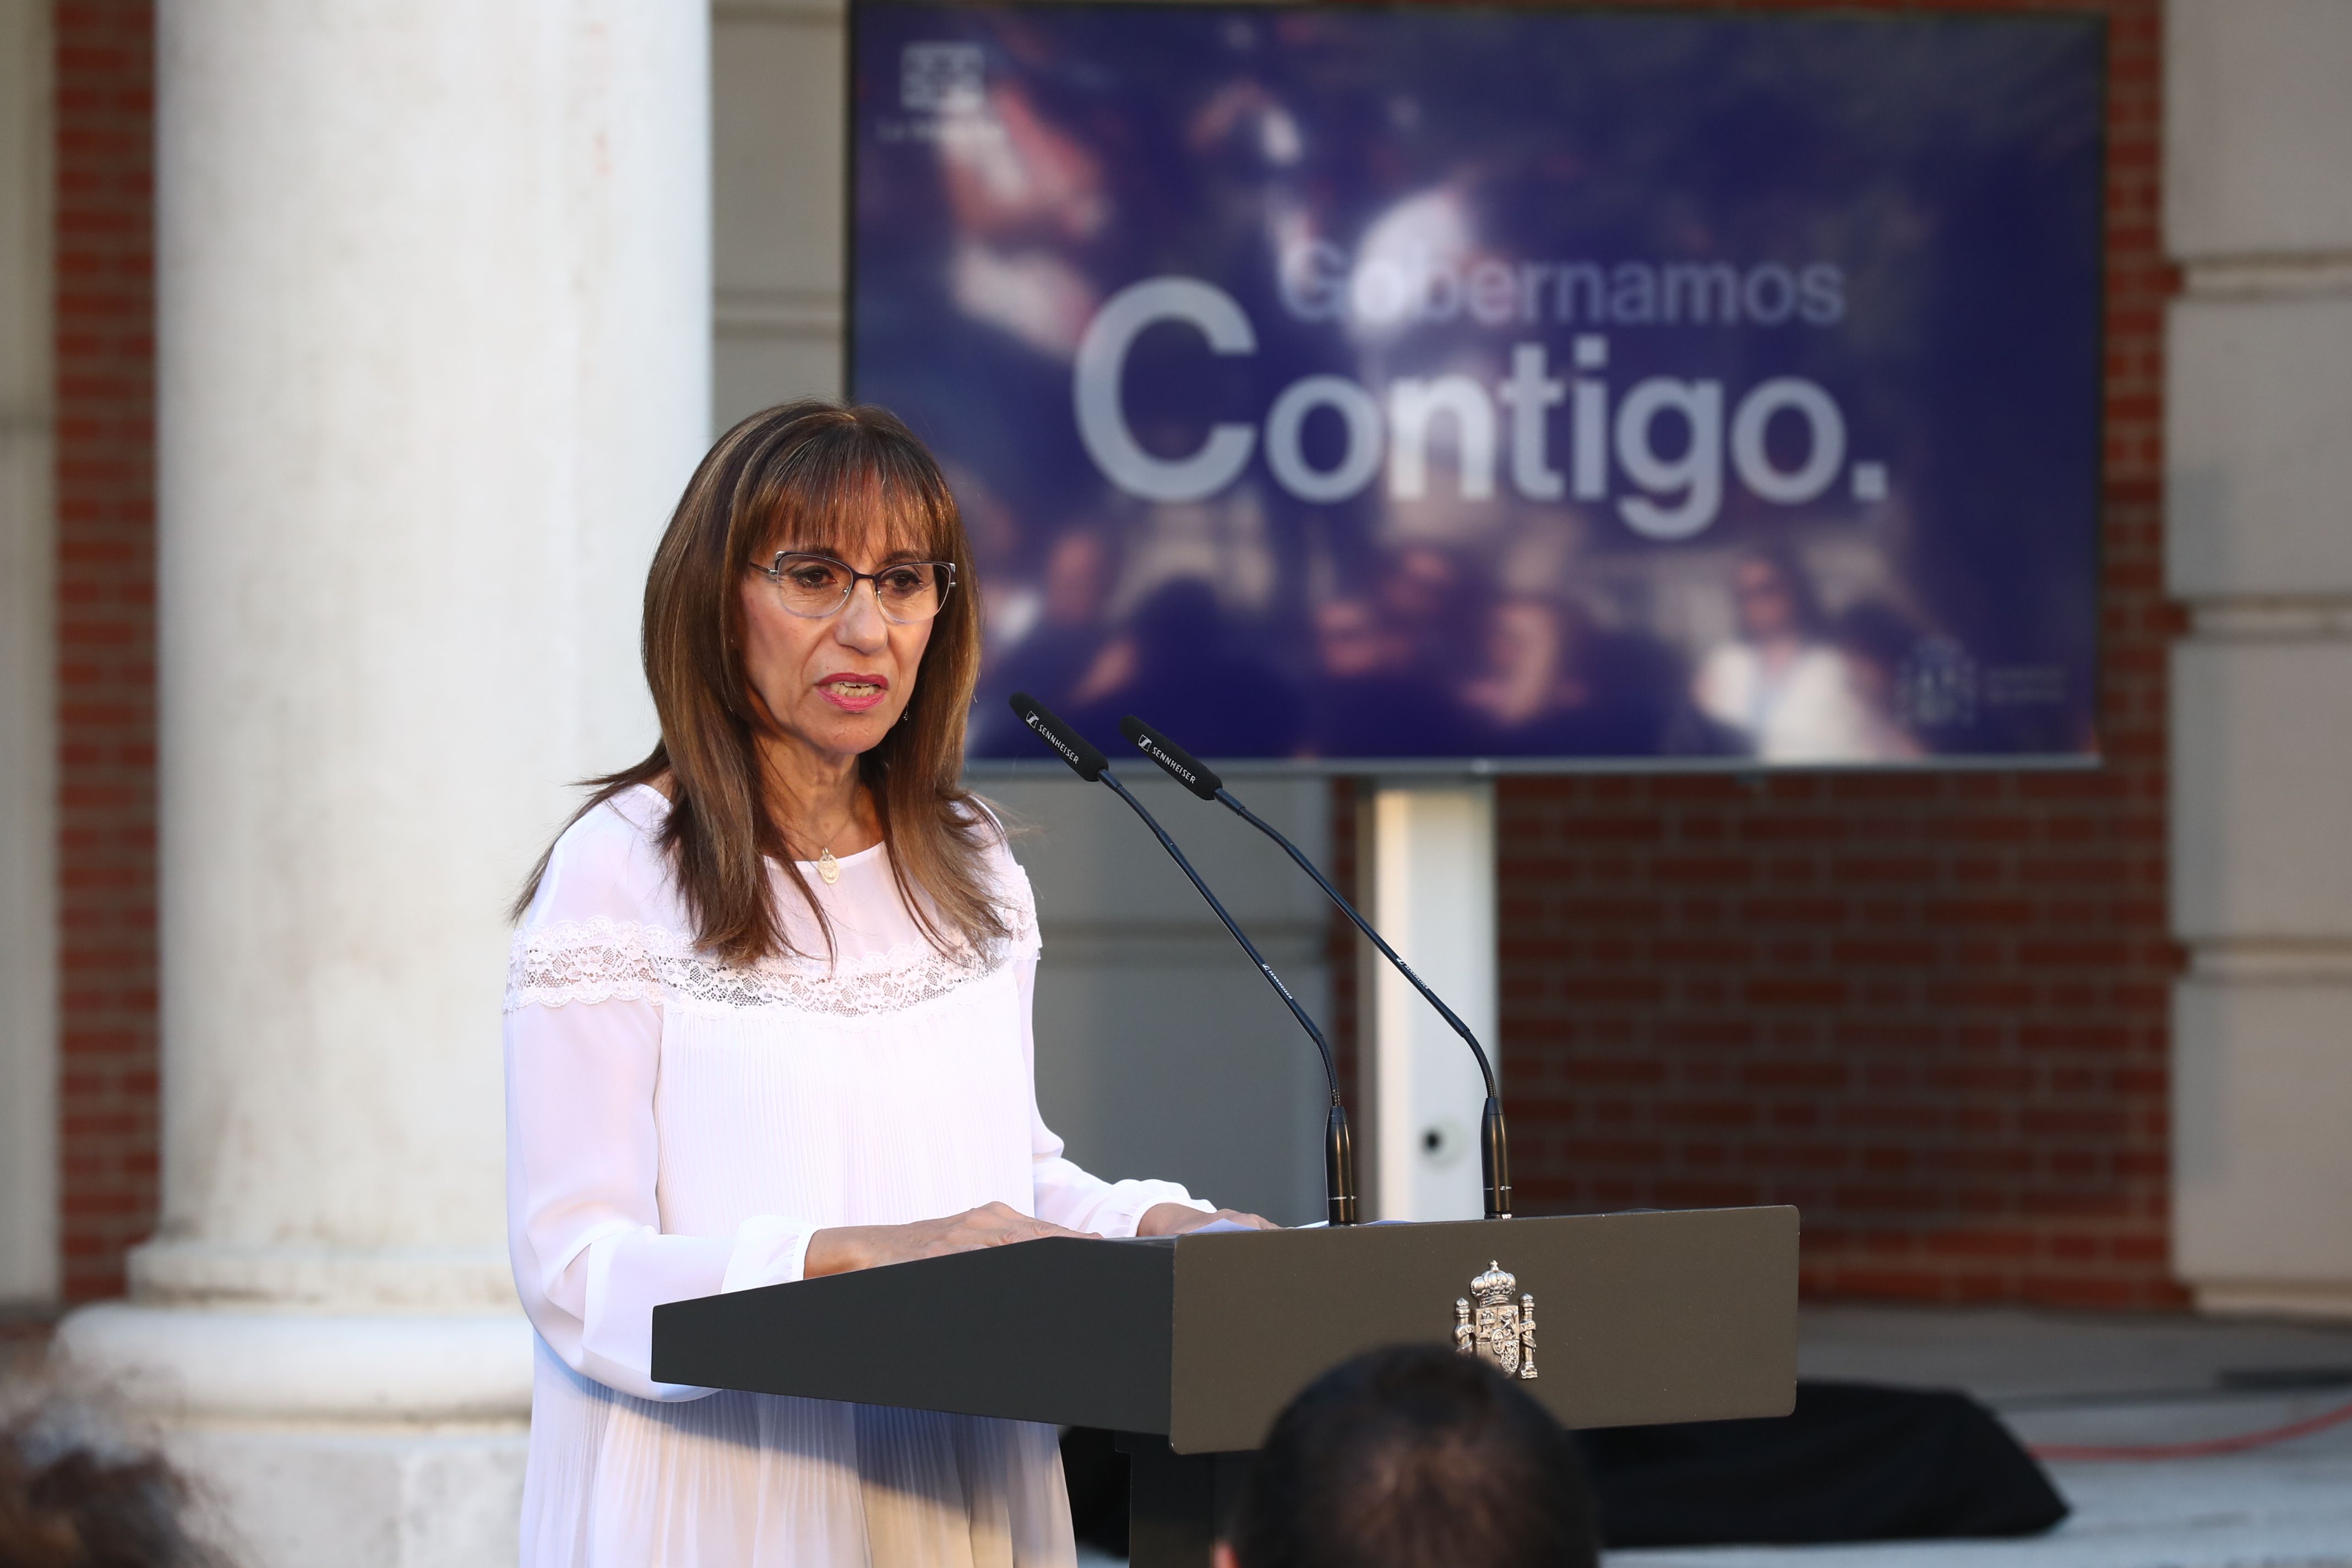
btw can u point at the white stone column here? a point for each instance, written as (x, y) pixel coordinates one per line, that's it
(2258, 210)
(434, 365)
(1427, 863)
(29, 905)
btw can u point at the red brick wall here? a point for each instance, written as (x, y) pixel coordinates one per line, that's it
(106, 645)
(1931, 1011)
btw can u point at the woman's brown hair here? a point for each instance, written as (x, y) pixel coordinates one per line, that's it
(806, 476)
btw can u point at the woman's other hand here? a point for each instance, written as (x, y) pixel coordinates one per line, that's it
(840, 1248)
(1175, 1219)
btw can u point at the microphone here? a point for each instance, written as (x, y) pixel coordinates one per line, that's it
(1494, 1145)
(1338, 1148)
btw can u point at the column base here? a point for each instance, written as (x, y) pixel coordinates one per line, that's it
(310, 1497)
(330, 1440)
(2329, 1300)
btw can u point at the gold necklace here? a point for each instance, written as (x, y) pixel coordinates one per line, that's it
(826, 866)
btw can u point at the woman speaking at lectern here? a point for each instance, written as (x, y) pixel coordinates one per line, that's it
(768, 1018)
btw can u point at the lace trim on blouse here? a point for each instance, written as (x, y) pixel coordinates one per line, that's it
(603, 960)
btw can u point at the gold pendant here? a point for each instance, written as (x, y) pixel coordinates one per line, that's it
(827, 867)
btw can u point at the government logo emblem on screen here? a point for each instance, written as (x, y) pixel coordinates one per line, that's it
(1497, 1330)
(938, 78)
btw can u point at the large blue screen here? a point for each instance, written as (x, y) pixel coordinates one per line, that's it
(1549, 387)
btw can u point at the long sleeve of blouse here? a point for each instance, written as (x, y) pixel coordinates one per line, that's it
(584, 1160)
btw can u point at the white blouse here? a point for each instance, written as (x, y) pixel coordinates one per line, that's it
(677, 1126)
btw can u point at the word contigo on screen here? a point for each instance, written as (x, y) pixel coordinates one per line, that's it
(1682, 492)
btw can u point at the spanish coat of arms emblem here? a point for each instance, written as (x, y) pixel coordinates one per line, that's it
(1496, 1328)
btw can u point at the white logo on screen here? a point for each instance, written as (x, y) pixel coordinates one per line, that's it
(942, 79)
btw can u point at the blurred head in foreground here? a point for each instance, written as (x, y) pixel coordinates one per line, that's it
(1413, 1458)
(71, 1498)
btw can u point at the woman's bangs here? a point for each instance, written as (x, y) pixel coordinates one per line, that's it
(841, 502)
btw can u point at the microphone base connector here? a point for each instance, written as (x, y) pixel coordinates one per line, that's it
(1495, 1161)
(1338, 1169)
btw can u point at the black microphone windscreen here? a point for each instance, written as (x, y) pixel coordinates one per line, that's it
(1067, 743)
(1178, 763)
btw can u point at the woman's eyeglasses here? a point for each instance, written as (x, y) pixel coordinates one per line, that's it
(818, 585)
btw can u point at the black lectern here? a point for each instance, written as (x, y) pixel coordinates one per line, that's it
(1191, 1346)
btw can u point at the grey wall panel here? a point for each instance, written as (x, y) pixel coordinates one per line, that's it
(776, 168)
(28, 1019)
(1160, 1051)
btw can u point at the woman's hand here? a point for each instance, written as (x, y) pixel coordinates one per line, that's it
(840, 1248)
(1175, 1219)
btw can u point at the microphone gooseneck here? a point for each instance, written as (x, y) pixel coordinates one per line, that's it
(1493, 1143)
(1338, 1148)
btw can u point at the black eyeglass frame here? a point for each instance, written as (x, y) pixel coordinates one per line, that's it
(774, 572)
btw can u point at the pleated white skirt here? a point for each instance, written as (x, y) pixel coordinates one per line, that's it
(753, 1480)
